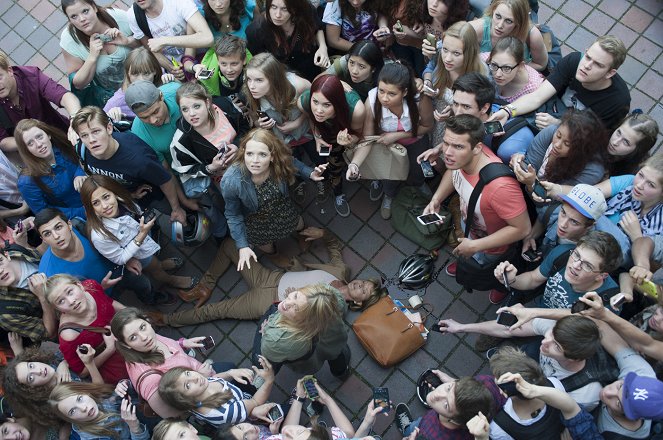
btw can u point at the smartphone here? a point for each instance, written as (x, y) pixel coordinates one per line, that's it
(493, 127)
(431, 90)
(325, 150)
(276, 413)
(223, 148)
(431, 39)
(399, 26)
(649, 288)
(82, 349)
(258, 381)
(531, 255)
(539, 190)
(431, 379)
(578, 307)
(309, 386)
(436, 328)
(427, 219)
(524, 165)
(619, 301)
(148, 215)
(262, 114)
(505, 280)
(208, 345)
(510, 389)
(427, 168)
(104, 38)
(507, 319)
(381, 398)
(205, 74)
(117, 271)
(19, 226)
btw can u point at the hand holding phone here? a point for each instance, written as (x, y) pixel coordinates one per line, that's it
(427, 168)
(493, 127)
(276, 413)
(531, 255)
(506, 319)
(427, 219)
(208, 345)
(381, 399)
(148, 215)
(205, 74)
(325, 150)
(309, 386)
(262, 114)
(579, 306)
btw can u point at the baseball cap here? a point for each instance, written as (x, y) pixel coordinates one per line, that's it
(140, 95)
(587, 200)
(642, 397)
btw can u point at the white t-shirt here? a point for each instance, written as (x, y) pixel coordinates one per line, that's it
(170, 23)
(497, 433)
(587, 396)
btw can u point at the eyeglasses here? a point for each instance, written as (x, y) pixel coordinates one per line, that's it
(506, 69)
(584, 265)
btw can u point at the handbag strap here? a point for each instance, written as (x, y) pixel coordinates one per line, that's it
(487, 174)
(145, 374)
(79, 328)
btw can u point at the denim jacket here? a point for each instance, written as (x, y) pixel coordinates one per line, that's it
(112, 405)
(239, 193)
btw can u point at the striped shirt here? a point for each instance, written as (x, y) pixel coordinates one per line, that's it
(233, 411)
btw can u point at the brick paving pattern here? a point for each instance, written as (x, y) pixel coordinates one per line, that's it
(30, 32)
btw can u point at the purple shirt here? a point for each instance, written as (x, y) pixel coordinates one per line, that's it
(36, 92)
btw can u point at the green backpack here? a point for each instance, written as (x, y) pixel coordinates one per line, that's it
(410, 203)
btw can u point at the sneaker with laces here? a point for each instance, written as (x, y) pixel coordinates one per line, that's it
(451, 269)
(403, 417)
(342, 206)
(497, 297)
(322, 194)
(385, 209)
(375, 190)
(299, 194)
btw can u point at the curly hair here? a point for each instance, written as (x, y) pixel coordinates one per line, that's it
(172, 395)
(587, 136)
(457, 12)
(237, 11)
(28, 401)
(282, 167)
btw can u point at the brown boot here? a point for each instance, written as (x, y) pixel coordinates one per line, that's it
(156, 318)
(199, 292)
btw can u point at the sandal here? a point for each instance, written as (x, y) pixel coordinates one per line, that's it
(192, 284)
(176, 263)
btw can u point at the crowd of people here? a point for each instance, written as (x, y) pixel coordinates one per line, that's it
(196, 120)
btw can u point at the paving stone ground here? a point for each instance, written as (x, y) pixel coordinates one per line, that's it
(29, 33)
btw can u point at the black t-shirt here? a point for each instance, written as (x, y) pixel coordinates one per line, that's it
(133, 164)
(610, 104)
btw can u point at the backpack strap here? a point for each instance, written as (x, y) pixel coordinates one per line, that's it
(510, 128)
(600, 368)
(79, 328)
(487, 174)
(560, 261)
(145, 374)
(9, 205)
(141, 20)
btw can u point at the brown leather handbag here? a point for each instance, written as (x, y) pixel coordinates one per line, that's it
(386, 333)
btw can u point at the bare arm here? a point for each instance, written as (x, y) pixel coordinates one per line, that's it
(517, 228)
(490, 328)
(84, 70)
(537, 49)
(200, 36)
(529, 102)
(70, 103)
(23, 209)
(335, 40)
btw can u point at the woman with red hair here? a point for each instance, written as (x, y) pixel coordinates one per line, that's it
(337, 117)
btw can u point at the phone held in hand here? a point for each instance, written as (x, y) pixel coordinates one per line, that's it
(431, 39)
(436, 328)
(381, 398)
(325, 150)
(276, 413)
(205, 74)
(427, 169)
(578, 307)
(493, 127)
(531, 255)
(427, 219)
(208, 345)
(309, 386)
(148, 215)
(507, 319)
(262, 114)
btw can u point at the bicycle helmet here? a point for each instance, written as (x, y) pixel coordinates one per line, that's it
(416, 271)
(197, 230)
(426, 383)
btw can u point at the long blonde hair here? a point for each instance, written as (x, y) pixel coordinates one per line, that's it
(282, 167)
(282, 94)
(54, 281)
(471, 59)
(520, 10)
(322, 308)
(100, 424)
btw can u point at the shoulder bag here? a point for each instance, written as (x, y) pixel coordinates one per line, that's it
(386, 333)
(384, 162)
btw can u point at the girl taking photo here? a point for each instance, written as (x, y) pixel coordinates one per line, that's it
(255, 190)
(336, 114)
(95, 45)
(52, 173)
(100, 412)
(396, 113)
(118, 236)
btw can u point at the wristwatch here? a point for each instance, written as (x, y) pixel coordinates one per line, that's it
(300, 399)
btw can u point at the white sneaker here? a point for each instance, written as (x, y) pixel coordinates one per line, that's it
(385, 209)
(342, 206)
